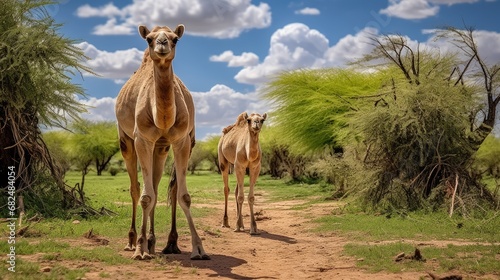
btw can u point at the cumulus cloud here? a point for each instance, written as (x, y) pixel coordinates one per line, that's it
(100, 109)
(219, 106)
(245, 59)
(118, 65)
(108, 10)
(298, 46)
(218, 18)
(291, 47)
(308, 11)
(410, 9)
(418, 9)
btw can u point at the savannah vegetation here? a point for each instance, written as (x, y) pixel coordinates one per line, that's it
(402, 136)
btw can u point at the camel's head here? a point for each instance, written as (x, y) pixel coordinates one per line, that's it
(161, 40)
(255, 121)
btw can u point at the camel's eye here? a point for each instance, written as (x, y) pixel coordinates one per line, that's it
(175, 40)
(149, 40)
(262, 121)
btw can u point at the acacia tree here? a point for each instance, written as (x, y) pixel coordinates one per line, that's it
(415, 114)
(421, 139)
(35, 89)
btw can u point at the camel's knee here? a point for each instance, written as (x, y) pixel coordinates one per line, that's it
(145, 201)
(186, 199)
(251, 199)
(240, 199)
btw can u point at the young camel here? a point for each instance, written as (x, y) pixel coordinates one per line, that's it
(155, 111)
(239, 145)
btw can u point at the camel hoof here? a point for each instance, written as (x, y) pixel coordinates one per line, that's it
(129, 248)
(137, 257)
(255, 233)
(146, 256)
(171, 249)
(200, 257)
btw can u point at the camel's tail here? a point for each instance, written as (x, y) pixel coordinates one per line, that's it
(172, 186)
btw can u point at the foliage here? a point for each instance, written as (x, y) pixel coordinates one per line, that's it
(417, 134)
(311, 106)
(211, 145)
(93, 142)
(487, 158)
(35, 89)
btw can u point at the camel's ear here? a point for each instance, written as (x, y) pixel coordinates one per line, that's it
(144, 31)
(179, 30)
(264, 116)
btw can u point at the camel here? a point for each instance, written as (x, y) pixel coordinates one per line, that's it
(239, 145)
(155, 111)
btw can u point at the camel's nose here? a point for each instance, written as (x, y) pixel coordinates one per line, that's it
(162, 46)
(162, 39)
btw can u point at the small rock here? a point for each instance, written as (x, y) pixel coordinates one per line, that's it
(75, 222)
(46, 269)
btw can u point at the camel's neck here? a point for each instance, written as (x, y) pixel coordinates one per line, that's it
(164, 100)
(254, 146)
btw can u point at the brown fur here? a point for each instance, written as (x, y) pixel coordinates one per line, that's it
(239, 145)
(155, 111)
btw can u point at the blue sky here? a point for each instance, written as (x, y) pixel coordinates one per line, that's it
(231, 48)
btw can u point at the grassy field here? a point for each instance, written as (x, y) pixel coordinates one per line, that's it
(371, 237)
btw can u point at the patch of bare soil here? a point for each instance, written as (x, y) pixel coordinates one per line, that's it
(285, 249)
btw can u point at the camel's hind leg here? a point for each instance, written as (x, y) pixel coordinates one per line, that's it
(130, 158)
(172, 247)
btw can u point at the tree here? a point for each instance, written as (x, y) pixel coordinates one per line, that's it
(95, 141)
(212, 144)
(35, 89)
(487, 158)
(421, 138)
(312, 106)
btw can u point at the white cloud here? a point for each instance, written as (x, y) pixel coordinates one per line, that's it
(217, 18)
(418, 9)
(118, 65)
(308, 11)
(410, 9)
(221, 105)
(297, 46)
(291, 47)
(100, 109)
(245, 59)
(108, 10)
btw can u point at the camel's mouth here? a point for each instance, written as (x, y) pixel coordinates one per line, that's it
(162, 50)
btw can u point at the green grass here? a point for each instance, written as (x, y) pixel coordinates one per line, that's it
(480, 259)
(54, 238)
(419, 226)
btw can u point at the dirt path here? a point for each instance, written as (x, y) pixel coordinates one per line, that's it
(285, 249)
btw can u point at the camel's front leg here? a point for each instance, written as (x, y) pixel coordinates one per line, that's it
(128, 152)
(181, 156)
(254, 174)
(224, 167)
(159, 156)
(240, 195)
(148, 197)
